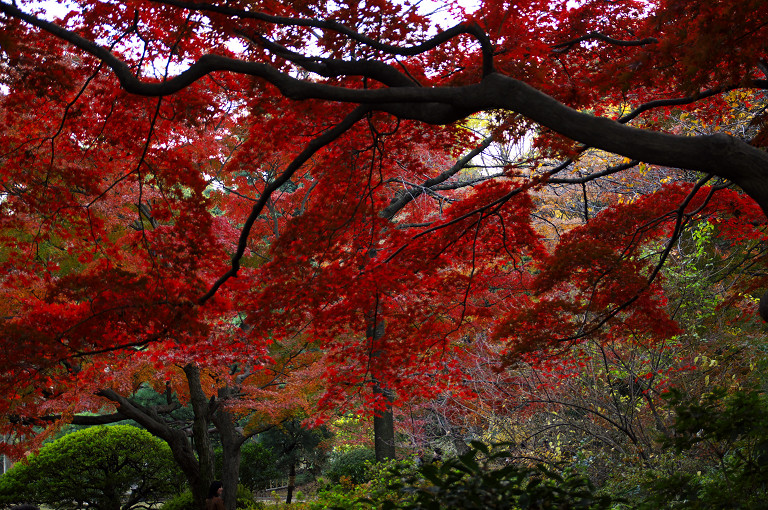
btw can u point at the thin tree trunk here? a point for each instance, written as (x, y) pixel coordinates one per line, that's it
(291, 483)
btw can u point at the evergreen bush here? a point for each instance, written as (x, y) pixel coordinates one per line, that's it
(351, 466)
(119, 466)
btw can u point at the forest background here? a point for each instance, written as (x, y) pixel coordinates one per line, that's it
(544, 225)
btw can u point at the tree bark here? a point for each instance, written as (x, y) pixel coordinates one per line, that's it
(291, 483)
(231, 442)
(383, 421)
(202, 410)
(384, 428)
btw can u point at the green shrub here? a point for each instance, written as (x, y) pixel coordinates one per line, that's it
(336, 498)
(351, 466)
(482, 479)
(245, 499)
(378, 488)
(258, 465)
(100, 467)
(185, 501)
(726, 435)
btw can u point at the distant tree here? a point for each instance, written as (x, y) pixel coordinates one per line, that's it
(258, 465)
(294, 445)
(104, 468)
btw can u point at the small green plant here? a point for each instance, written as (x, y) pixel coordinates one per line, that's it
(245, 499)
(183, 501)
(350, 496)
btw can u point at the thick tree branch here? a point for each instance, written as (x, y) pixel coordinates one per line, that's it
(130, 410)
(719, 154)
(180, 445)
(106, 419)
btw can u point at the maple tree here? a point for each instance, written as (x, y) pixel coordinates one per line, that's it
(603, 407)
(186, 184)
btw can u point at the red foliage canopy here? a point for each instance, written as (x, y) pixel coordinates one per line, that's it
(187, 181)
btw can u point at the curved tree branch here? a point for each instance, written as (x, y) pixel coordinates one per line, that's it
(593, 176)
(718, 154)
(330, 68)
(650, 105)
(408, 51)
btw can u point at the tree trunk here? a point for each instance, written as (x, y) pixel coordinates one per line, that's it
(291, 483)
(202, 411)
(111, 497)
(383, 421)
(197, 463)
(384, 428)
(231, 442)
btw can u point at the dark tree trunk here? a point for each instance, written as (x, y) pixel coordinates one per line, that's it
(291, 483)
(196, 463)
(231, 442)
(201, 408)
(384, 428)
(383, 421)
